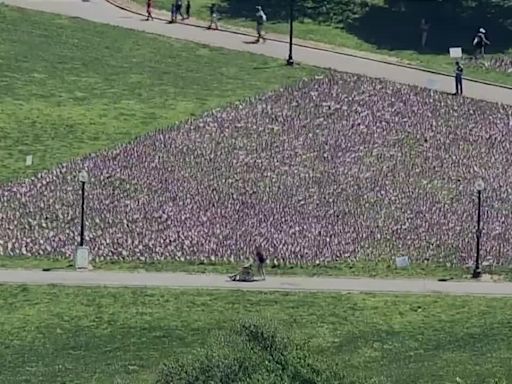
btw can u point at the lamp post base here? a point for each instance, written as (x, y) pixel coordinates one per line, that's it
(477, 273)
(82, 259)
(290, 62)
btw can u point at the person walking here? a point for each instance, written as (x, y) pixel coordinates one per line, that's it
(261, 19)
(149, 7)
(459, 71)
(479, 43)
(213, 16)
(173, 13)
(261, 260)
(187, 9)
(179, 9)
(424, 27)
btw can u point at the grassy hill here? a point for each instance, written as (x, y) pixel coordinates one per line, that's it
(72, 87)
(106, 335)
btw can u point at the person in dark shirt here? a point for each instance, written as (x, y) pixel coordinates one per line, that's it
(149, 6)
(261, 260)
(179, 7)
(173, 13)
(187, 9)
(459, 72)
(213, 16)
(424, 27)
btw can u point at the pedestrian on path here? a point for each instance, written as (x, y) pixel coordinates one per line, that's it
(149, 6)
(179, 9)
(261, 260)
(187, 9)
(459, 71)
(424, 27)
(173, 14)
(213, 16)
(480, 42)
(261, 19)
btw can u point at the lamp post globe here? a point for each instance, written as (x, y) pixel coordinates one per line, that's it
(83, 177)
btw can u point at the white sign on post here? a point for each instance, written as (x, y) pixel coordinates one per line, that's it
(28, 161)
(402, 262)
(456, 53)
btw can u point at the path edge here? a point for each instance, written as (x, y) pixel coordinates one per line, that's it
(397, 64)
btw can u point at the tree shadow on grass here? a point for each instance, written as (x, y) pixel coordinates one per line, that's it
(276, 10)
(397, 28)
(395, 25)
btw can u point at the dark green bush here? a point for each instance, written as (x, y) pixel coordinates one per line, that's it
(251, 352)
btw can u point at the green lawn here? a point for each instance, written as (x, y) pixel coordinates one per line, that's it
(380, 269)
(71, 87)
(351, 38)
(107, 335)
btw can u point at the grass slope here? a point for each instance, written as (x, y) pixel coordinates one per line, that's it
(71, 87)
(357, 37)
(89, 335)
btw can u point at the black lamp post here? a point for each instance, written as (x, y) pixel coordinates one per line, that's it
(477, 271)
(290, 60)
(84, 178)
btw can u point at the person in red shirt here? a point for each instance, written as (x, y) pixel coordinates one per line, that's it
(149, 5)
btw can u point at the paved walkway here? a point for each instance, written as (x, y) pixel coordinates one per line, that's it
(102, 12)
(273, 283)
(159, 14)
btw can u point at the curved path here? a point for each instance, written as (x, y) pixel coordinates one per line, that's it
(273, 283)
(102, 12)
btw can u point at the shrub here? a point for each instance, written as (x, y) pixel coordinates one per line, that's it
(250, 352)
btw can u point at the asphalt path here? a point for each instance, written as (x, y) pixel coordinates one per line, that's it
(272, 283)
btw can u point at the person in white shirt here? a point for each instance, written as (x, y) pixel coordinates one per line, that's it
(261, 19)
(480, 42)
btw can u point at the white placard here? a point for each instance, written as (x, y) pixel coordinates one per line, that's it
(82, 258)
(28, 161)
(402, 262)
(456, 52)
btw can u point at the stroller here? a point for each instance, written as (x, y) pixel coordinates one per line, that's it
(245, 274)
